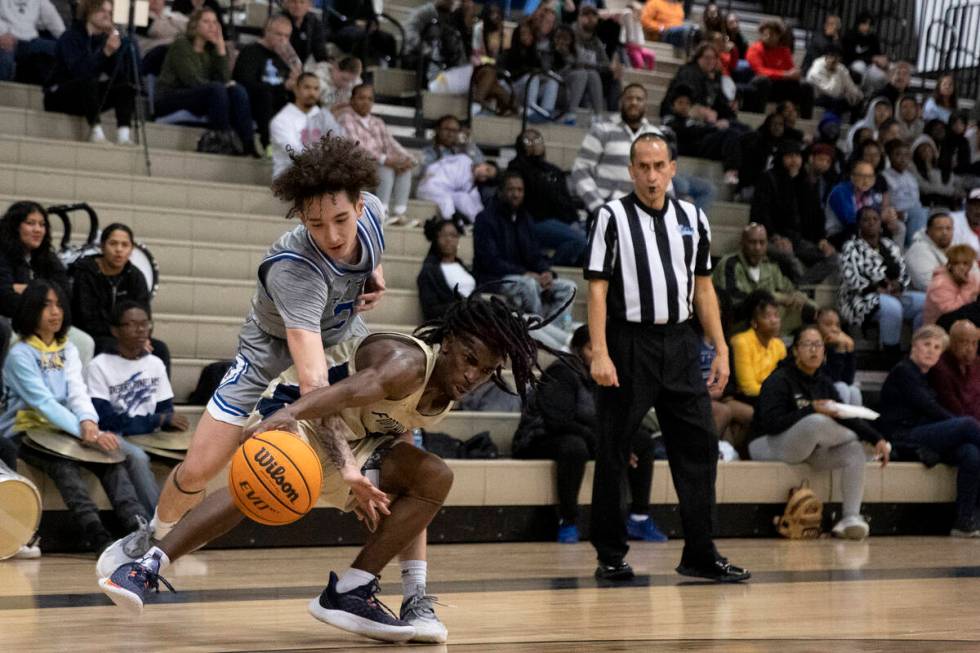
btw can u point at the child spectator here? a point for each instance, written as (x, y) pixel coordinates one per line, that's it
(928, 249)
(943, 101)
(444, 276)
(903, 189)
(640, 57)
(953, 285)
(757, 351)
(956, 377)
(300, 123)
(451, 182)
(20, 41)
(840, 364)
(732, 417)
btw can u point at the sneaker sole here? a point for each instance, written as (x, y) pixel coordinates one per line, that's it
(359, 625)
(123, 598)
(430, 633)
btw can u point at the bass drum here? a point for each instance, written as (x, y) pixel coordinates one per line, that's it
(20, 511)
(144, 262)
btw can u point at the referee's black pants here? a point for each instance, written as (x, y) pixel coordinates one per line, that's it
(657, 366)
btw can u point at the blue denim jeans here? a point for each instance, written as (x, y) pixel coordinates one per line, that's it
(568, 242)
(138, 465)
(8, 60)
(892, 311)
(529, 297)
(701, 191)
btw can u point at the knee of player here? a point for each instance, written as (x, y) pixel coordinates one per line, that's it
(190, 477)
(435, 476)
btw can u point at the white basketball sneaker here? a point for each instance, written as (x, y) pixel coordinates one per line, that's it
(851, 528)
(418, 611)
(127, 549)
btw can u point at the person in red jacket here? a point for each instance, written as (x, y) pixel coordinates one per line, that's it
(770, 59)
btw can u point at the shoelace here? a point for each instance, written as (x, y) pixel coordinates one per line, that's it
(421, 604)
(371, 599)
(149, 578)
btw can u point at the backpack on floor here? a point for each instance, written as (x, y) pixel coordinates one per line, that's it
(209, 381)
(220, 142)
(803, 514)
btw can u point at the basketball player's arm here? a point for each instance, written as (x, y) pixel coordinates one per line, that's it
(603, 369)
(306, 350)
(706, 306)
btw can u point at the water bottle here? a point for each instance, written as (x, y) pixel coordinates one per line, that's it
(417, 438)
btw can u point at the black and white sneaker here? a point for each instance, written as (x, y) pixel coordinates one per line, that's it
(359, 611)
(125, 550)
(418, 611)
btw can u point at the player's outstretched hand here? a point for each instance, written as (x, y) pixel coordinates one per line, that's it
(281, 420)
(372, 503)
(374, 290)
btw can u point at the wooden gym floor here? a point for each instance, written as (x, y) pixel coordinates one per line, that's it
(886, 594)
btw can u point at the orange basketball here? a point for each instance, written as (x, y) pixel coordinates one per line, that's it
(275, 478)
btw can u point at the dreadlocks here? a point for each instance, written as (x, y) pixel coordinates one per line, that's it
(491, 321)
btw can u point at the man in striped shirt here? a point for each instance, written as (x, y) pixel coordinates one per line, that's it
(599, 173)
(648, 267)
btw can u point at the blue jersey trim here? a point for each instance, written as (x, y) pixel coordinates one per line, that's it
(226, 407)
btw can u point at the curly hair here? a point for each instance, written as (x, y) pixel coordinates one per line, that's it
(43, 260)
(331, 165)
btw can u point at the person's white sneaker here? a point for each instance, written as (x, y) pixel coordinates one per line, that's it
(418, 611)
(124, 550)
(123, 136)
(851, 528)
(97, 135)
(30, 551)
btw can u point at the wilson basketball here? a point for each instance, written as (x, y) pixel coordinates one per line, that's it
(275, 478)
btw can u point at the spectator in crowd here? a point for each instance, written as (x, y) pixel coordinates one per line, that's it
(943, 101)
(822, 170)
(268, 69)
(770, 59)
(966, 223)
(433, 29)
(875, 285)
(195, 77)
(19, 36)
(696, 137)
(490, 94)
(102, 282)
(879, 110)
(832, 84)
(163, 28)
(663, 20)
(899, 79)
(903, 188)
(824, 41)
(538, 91)
(954, 154)
(452, 183)
(890, 130)
(395, 164)
(337, 82)
(308, 37)
(559, 424)
(935, 189)
(188, 7)
(734, 33)
(609, 27)
(757, 351)
(711, 20)
(556, 224)
(591, 53)
(840, 363)
(600, 171)
(956, 377)
(443, 275)
(449, 139)
(914, 420)
(748, 271)
(797, 421)
(640, 57)
(847, 199)
(45, 390)
(25, 255)
(787, 204)
(488, 35)
(505, 249)
(361, 33)
(755, 150)
(299, 123)
(581, 80)
(862, 48)
(910, 122)
(928, 250)
(702, 79)
(83, 54)
(954, 285)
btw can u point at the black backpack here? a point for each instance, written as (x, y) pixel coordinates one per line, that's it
(220, 142)
(209, 381)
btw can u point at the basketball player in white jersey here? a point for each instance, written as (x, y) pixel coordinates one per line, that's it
(389, 384)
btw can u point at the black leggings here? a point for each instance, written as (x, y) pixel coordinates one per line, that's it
(84, 97)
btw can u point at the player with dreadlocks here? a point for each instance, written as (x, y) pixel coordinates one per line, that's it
(381, 387)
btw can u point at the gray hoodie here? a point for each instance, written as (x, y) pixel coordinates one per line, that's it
(22, 18)
(922, 257)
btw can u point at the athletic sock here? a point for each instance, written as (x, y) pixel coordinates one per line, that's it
(160, 528)
(413, 577)
(353, 578)
(155, 559)
(639, 518)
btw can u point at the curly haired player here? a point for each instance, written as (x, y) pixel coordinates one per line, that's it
(389, 384)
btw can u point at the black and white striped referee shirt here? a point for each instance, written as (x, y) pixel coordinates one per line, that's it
(650, 258)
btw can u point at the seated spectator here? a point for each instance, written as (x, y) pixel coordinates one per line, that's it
(195, 77)
(732, 417)
(757, 351)
(433, 28)
(505, 249)
(824, 41)
(914, 420)
(928, 250)
(734, 33)
(640, 57)
(910, 122)
(796, 421)
(591, 53)
(903, 189)
(862, 50)
(308, 37)
(770, 59)
(899, 79)
(395, 164)
(890, 130)
(879, 110)
(935, 188)
(444, 276)
(943, 101)
(954, 285)
(966, 223)
(268, 69)
(20, 40)
(449, 139)
(163, 28)
(337, 81)
(698, 138)
(847, 199)
(822, 170)
(102, 282)
(956, 377)
(45, 390)
(25, 255)
(663, 20)
(755, 149)
(559, 424)
(85, 52)
(702, 79)
(954, 154)
(787, 204)
(300, 123)
(744, 274)
(522, 62)
(452, 183)
(874, 285)
(840, 364)
(582, 78)
(490, 95)
(188, 7)
(361, 33)
(832, 84)
(556, 224)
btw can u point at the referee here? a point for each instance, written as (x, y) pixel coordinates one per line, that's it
(648, 266)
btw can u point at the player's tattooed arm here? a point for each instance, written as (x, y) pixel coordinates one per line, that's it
(334, 432)
(372, 502)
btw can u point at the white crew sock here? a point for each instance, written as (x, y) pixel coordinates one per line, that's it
(122, 135)
(639, 518)
(353, 578)
(413, 577)
(159, 527)
(155, 559)
(97, 135)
